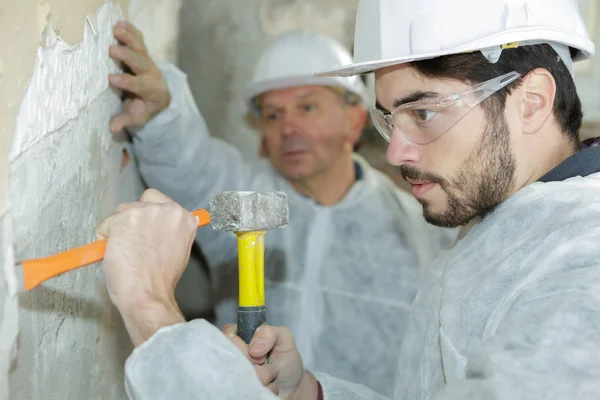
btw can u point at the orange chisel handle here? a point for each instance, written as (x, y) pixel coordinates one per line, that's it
(38, 270)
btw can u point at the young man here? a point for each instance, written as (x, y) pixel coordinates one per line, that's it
(351, 255)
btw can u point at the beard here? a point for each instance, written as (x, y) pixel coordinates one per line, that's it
(482, 182)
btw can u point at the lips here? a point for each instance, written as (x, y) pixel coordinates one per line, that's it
(294, 153)
(419, 188)
(415, 182)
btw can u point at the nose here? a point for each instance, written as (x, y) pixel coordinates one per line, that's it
(289, 125)
(401, 150)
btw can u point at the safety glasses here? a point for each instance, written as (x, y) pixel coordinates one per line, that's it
(424, 121)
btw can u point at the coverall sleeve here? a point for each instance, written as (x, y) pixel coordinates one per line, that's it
(194, 360)
(176, 155)
(338, 389)
(545, 346)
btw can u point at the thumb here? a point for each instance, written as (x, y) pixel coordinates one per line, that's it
(229, 330)
(103, 227)
(154, 196)
(267, 338)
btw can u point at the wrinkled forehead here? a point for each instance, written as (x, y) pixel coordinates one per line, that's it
(401, 84)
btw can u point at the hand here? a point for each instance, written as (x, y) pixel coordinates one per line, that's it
(148, 92)
(284, 373)
(148, 248)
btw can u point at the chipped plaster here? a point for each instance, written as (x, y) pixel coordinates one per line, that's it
(65, 176)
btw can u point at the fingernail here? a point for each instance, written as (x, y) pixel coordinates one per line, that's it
(258, 345)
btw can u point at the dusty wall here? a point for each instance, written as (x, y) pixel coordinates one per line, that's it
(65, 174)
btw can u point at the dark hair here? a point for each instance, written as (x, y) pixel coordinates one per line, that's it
(475, 68)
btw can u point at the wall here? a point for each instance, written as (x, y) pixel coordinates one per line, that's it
(66, 173)
(21, 26)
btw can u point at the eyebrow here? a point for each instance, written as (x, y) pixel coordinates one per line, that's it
(414, 96)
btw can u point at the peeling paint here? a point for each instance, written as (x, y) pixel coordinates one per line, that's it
(64, 177)
(66, 96)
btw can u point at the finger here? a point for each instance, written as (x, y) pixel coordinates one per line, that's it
(103, 227)
(127, 82)
(125, 206)
(154, 196)
(267, 373)
(229, 330)
(141, 85)
(129, 38)
(121, 121)
(273, 388)
(134, 31)
(240, 344)
(138, 63)
(267, 337)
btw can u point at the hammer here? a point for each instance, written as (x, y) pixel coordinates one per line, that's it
(249, 215)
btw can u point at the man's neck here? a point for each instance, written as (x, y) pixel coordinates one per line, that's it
(557, 154)
(329, 187)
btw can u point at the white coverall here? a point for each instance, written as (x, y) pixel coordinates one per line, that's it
(332, 275)
(511, 312)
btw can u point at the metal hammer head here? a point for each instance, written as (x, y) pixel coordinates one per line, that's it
(248, 211)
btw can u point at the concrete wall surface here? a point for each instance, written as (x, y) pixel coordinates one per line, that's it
(61, 171)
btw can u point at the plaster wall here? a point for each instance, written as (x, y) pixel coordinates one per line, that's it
(63, 340)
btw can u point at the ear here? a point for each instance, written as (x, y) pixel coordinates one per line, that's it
(537, 104)
(356, 116)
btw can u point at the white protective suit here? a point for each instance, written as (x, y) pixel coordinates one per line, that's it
(332, 274)
(511, 312)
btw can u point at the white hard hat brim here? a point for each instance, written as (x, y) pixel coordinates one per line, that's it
(258, 88)
(527, 35)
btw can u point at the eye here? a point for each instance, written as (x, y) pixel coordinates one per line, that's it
(272, 116)
(423, 115)
(307, 107)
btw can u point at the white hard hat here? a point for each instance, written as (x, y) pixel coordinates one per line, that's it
(392, 32)
(293, 60)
